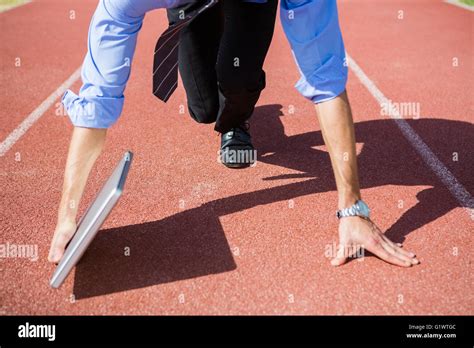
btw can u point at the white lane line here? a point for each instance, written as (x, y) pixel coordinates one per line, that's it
(19, 131)
(459, 4)
(12, 5)
(442, 172)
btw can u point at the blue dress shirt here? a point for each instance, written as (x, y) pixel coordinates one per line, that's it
(311, 27)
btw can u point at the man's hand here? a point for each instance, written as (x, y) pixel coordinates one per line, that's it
(356, 233)
(62, 235)
(84, 149)
(337, 126)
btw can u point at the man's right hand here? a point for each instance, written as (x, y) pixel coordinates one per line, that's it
(356, 232)
(62, 235)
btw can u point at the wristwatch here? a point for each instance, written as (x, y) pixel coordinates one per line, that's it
(359, 208)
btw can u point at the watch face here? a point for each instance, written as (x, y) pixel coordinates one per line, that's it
(363, 208)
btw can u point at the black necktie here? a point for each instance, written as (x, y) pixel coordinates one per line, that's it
(165, 64)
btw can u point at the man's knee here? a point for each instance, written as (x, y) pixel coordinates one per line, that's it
(206, 113)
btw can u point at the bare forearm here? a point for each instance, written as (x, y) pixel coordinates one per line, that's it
(337, 126)
(85, 147)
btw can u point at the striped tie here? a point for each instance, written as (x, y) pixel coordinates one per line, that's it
(165, 65)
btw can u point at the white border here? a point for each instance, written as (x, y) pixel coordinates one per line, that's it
(458, 191)
(460, 4)
(30, 120)
(5, 8)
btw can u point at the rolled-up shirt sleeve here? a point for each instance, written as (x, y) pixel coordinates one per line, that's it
(312, 29)
(106, 69)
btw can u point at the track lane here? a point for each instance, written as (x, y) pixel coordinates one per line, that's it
(212, 241)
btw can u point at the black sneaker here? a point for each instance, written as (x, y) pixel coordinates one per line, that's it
(237, 150)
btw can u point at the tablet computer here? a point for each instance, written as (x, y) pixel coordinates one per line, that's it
(92, 220)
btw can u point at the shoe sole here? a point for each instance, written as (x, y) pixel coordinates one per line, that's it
(237, 165)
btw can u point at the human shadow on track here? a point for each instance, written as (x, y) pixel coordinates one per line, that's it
(386, 158)
(192, 243)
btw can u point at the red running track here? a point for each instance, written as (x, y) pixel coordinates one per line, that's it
(207, 240)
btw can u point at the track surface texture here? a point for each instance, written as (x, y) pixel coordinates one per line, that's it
(203, 239)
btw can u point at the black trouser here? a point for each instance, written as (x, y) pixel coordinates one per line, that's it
(221, 55)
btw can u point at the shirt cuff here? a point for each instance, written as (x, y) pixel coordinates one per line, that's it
(325, 83)
(92, 112)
